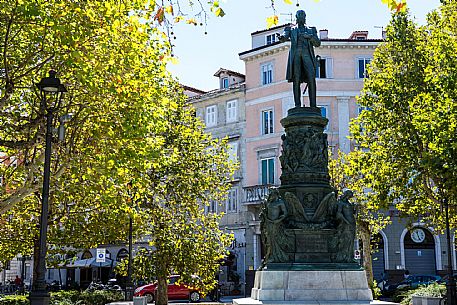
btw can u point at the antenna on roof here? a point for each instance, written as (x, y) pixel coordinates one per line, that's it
(291, 16)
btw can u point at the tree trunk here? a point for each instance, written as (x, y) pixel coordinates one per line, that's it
(161, 297)
(365, 235)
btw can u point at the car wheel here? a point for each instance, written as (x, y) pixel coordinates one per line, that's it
(194, 296)
(149, 297)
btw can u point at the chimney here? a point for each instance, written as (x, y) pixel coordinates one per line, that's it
(323, 34)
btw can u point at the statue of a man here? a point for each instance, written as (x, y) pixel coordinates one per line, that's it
(302, 63)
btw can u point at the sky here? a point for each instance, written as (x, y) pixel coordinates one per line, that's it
(200, 56)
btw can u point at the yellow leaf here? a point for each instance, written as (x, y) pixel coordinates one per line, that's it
(272, 21)
(219, 12)
(169, 9)
(191, 21)
(288, 1)
(178, 19)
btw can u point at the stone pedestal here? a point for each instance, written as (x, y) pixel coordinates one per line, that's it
(309, 287)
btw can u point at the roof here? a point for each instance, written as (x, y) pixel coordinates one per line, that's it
(212, 93)
(229, 72)
(328, 39)
(188, 88)
(270, 29)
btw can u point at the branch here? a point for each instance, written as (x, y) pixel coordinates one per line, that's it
(8, 83)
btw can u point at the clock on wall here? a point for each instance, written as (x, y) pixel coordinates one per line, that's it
(418, 235)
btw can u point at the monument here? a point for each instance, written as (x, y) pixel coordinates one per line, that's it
(308, 231)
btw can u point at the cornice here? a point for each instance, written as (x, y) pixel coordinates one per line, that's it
(325, 44)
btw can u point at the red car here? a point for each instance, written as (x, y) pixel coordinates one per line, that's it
(175, 291)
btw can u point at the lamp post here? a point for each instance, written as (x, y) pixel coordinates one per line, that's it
(129, 288)
(50, 89)
(450, 284)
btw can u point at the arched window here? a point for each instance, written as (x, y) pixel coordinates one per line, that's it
(419, 247)
(122, 254)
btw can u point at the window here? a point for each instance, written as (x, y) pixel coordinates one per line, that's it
(224, 82)
(360, 109)
(123, 253)
(325, 68)
(270, 38)
(267, 122)
(232, 111)
(233, 152)
(323, 111)
(267, 74)
(232, 200)
(268, 171)
(324, 114)
(211, 115)
(362, 67)
(212, 208)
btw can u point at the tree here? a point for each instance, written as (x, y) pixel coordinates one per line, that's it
(124, 103)
(190, 172)
(346, 173)
(410, 129)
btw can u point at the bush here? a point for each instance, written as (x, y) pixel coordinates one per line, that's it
(99, 297)
(432, 290)
(375, 290)
(71, 297)
(65, 296)
(14, 300)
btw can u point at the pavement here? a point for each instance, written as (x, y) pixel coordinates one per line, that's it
(224, 301)
(228, 301)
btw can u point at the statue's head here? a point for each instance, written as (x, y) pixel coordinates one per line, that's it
(301, 17)
(274, 194)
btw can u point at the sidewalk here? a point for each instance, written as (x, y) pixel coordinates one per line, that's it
(227, 300)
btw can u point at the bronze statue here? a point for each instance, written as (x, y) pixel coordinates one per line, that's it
(273, 215)
(302, 63)
(345, 216)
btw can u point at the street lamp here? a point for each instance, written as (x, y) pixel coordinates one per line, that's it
(450, 284)
(51, 92)
(129, 286)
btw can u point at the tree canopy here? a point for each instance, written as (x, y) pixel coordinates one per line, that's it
(130, 125)
(409, 128)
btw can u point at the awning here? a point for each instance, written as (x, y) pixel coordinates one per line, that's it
(90, 263)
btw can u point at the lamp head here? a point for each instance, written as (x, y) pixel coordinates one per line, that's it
(51, 84)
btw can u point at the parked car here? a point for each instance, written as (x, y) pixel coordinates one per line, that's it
(412, 282)
(175, 291)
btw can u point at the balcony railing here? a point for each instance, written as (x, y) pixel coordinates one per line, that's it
(255, 194)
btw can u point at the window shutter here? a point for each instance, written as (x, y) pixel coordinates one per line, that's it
(271, 171)
(329, 67)
(264, 172)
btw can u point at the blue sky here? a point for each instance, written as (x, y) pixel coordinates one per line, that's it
(200, 56)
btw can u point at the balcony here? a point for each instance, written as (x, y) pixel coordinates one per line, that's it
(256, 194)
